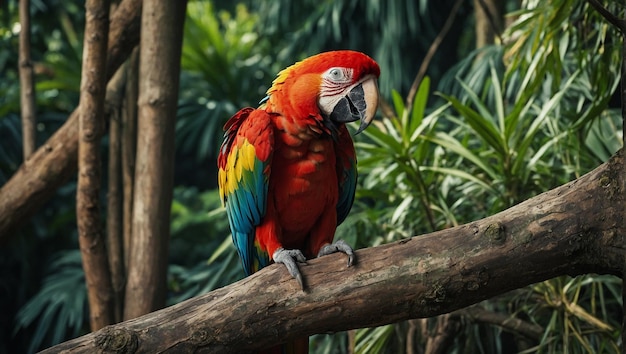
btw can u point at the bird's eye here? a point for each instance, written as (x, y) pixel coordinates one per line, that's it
(336, 74)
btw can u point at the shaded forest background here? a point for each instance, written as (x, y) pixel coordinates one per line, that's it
(511, 104)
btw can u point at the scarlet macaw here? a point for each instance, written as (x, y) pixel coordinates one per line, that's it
(287, 170)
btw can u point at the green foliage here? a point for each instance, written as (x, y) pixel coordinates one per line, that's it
(10, 149)
(577, 314)
(395, 33)
(225, 66)
(203, 257)
(513, 139)
(374, 340)
(59, 309)
(550, 39)
(400, 170)
(56, 52)
(603, 139)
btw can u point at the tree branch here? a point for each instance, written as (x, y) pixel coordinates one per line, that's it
(54, 163)
(574, 229)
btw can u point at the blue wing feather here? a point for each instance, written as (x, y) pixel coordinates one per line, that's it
(243, 185)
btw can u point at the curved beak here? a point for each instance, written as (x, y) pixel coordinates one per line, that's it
(360, 103)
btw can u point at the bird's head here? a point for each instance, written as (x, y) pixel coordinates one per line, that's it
(338, 87)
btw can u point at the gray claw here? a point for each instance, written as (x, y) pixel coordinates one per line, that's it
(289, 259)
(339, 246)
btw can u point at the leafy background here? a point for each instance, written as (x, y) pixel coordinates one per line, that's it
(489, 128)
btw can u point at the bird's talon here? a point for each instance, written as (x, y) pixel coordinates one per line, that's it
(289, 259)
(339, 246)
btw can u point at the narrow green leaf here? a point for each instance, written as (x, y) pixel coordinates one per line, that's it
(398, 103)
(497, 98)
(419, 104)
(460, 174)
(483, 127)
(449, 143)
(383, 139)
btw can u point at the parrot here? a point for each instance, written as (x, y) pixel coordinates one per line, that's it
(287, 169)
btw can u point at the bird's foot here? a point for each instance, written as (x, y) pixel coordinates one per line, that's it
(289, 259)
(339, 246)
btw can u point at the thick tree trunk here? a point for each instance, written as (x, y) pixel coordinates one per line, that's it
(27, 83)
(54, 163)
(159, 71)
(90, 233)
(575, 229)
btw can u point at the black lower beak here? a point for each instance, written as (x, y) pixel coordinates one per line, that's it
(351, 107)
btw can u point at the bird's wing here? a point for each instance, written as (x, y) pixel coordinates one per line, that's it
(243, 178)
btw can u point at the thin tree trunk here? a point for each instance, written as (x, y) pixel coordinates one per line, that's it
(27, 89)
(115, 193)
(38, 178)
(489, 16)
(411, 335)
(129, 146)
(90, 235)
(159, 69)
(574, 229)
(443, 334)
(351, 341)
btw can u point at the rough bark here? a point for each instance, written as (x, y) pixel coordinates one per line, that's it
(27, 81)
(159, 71)
(575, 229)
(115, 245)
(37, 179)
(90, 234)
